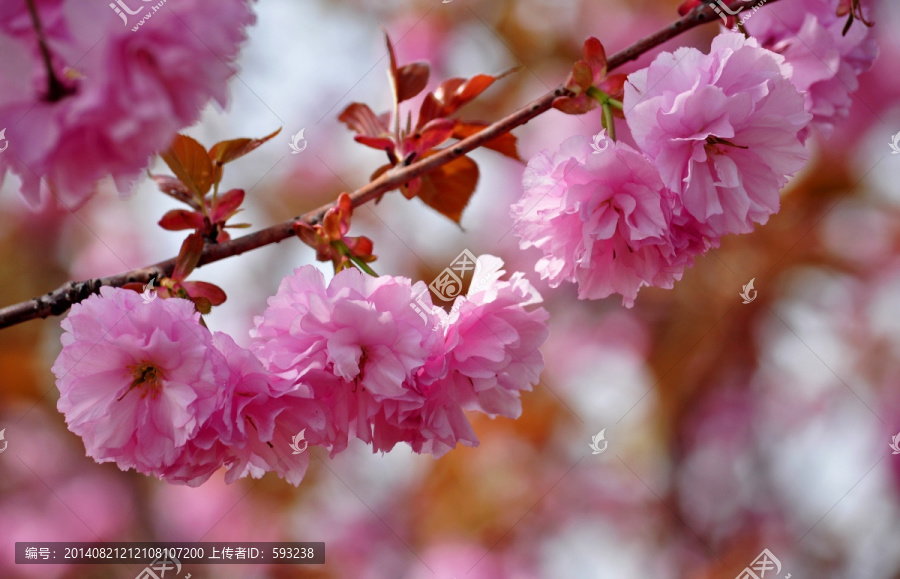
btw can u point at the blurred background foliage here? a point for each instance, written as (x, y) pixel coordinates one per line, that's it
(732, 427)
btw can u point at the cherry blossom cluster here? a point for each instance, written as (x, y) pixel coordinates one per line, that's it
(717, 136)
(148, 387)
(106, 99)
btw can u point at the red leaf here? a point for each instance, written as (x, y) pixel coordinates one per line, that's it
(505, 143)
(188, 257)
(174, 188)
(688, 5)
(227, 151)
(360, 119)
(411, 188)
(578, 105)
(361, 247)
(202, 289)
(411, 80)
(452, 94)
(429, 109)
(406, 81)
(449, 188)
(380, 143)
(595, 56)
(614, 86)
(178, 219)
(190, 162)
(428, 137)
(226, 205)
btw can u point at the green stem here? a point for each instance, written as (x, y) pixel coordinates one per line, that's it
(362, 265)
(609, 122)
(597, 94)
(345, 251)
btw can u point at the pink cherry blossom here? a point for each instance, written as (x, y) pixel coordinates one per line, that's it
(356, 343)
(127, 87)
(826, 63)
(493, 338)
(261, 415)
(602, 218)
(138, 381)
(723, 130)
(490, 354)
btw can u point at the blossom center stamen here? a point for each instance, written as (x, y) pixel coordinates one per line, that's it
(714, 145)
(147, 375)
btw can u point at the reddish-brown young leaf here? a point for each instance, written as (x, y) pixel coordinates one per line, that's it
(226, 205)
(614, 86)
(429, 110)
(428, 137)
(594, 55)
(178, 219)
(454, 93)
(380, 143)
(188, 257)
(227, 151)
(202, 289)
(411, 188)
(505, 143)
(582, 77)
(406, 81)
(411, 80)
(449, 188)
(575, 105)
(360, 119)
(174, 188)
(190, 162)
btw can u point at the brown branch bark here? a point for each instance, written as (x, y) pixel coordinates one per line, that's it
(62, 298)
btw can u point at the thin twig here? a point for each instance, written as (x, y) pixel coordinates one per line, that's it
(60, 300)
(56, 90)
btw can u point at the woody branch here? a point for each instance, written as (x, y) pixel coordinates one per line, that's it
(61, 299)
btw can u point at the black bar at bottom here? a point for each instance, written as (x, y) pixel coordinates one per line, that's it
(180, 553)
